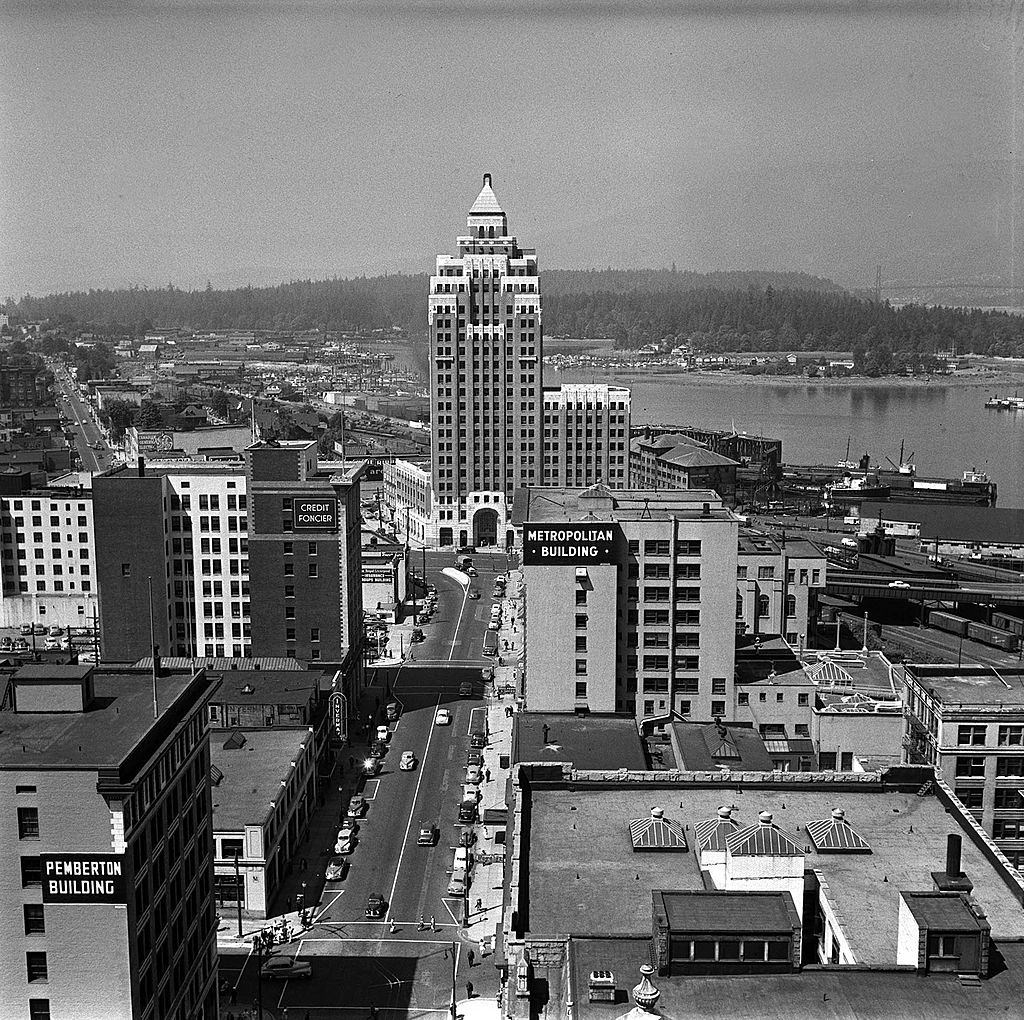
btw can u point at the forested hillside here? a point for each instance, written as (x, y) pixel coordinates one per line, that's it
(726, 311)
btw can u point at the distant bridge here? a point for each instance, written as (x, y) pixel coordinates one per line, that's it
(908, 587)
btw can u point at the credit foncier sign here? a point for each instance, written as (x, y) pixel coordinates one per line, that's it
(570, 544)
(83, 878)
(315, 514)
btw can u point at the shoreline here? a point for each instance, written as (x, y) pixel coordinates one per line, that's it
(996, 382)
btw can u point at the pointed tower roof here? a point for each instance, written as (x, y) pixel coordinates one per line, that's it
(486, 203)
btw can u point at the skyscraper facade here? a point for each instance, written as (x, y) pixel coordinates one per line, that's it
(486, 346)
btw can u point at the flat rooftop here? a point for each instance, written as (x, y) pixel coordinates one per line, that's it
(120, 715)
(970, 687)
(590, 741)
(268, 687)
(252, 774)
(810, 994)
(600, 503)
(585, 877)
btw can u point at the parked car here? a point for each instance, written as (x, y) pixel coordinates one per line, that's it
(457, 884)
(285, 968)
(52, 644)
(383, 733)
(428, 835)
(417, 635)
(56, 631)
(443, 717)
(20, 645)
(379, 749)
(408, 762)
(39, 628)
(393, 711)
(474, 757)
(468, 836)
(462, 859)
(371, 766)
(493, 625)
(478, 739)
(487, 674)
(471, 571)
(345, 843)
(357, 806)
(26, 628)
(465, 689)
(337, 869)
(349, 825)
(376, 906)
(474, 774)
(6, 643)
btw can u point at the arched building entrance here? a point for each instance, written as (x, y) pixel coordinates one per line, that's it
(485, 527)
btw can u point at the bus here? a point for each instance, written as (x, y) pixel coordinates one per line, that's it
(491, 643)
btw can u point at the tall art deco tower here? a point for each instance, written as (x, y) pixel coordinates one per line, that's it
(485, 377)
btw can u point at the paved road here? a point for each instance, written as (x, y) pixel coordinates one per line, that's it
(359, 963)
(78, 410)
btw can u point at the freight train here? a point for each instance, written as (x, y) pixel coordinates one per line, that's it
(996, 637)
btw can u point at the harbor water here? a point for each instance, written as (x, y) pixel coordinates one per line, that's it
(945, 426)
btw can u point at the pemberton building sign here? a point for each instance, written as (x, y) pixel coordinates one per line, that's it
(571, 544)
(83, 878)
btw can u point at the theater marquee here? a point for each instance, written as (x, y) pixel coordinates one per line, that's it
(315, 514)
(570, 545)
(83, 878)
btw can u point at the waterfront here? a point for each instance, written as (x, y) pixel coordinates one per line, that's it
(946, 426)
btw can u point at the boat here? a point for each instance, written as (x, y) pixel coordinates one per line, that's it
(1014, 403)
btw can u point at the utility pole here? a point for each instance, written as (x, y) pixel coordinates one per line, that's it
(238, 893)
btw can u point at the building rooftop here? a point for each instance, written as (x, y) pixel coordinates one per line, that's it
(269, 687)
(592, 741)
(270, 663)
(704, 747)
(601, 503)
(725, 911)
(971, 685)
(252, 774)
(585, 877)
(119, 716)
(853, 994)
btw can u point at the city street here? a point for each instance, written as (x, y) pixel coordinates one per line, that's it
(75, 407)
(404, 964)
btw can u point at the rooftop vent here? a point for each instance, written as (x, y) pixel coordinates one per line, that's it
(657, 832)
(836, 836)
(235, 742)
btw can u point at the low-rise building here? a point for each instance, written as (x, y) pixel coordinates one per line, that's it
(677, 461)
(777, 587)
(264, 792)
(968, 722)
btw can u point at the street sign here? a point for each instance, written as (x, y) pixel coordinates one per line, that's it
(570, 544)
(315, 514)
(83, 878)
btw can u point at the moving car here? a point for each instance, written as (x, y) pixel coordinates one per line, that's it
(371, 766)
(417, 635)
(345, 842)
(443, 717)
(408, 762)
(337, 868)
(383, 733)
(428, 835)
(285, 968)
(357, 806)
(471, 571)
(898, 584)
(457, 884)
(466, 690)
(376, 906)
(473, 594)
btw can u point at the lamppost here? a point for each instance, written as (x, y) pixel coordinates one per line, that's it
(301, 904)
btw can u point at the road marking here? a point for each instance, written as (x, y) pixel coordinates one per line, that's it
(325, 907)
(376, 787)
(444, 903)
(412, 812)
(458, 622)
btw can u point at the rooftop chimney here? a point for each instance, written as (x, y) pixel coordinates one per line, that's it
(953, 845)
(952, 879)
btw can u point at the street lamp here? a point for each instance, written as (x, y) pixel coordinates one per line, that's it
(301, 904)
(238, 893)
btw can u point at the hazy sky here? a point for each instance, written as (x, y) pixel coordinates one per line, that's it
(254, 142)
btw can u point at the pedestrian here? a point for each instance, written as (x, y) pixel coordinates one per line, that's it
(433, 927)
(422, 923)
(487, 775)
(391, 926)
(479, 904)
(469, 989)
(471, 957)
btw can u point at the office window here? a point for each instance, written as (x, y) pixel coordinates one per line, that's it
(289, 591)
(827, 761)
(718, 685)
(289, 570)
(31, 872)
(581, 596)
(765, 573)
(581, 667)
(1006, 799)
(1007, 766)
(581, 643)
(581, 620)
(35, 964)
(35, 919)
(1011, 736)
(289, 633)
(28, 823)
(313, 570)
(971, 797)
(581, 688)
(38, 1009)
(314, 633)
(126, 570)
(803, 700)
(718, 708)
(972, 768)
(973, 736)
(743, 698)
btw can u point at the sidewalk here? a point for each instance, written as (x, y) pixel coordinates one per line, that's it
(487, 880)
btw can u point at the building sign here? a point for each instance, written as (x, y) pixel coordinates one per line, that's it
(570, 544)
(83, 878)
(378, 575)
(336, 709)
(155, 442)
(315, 514)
